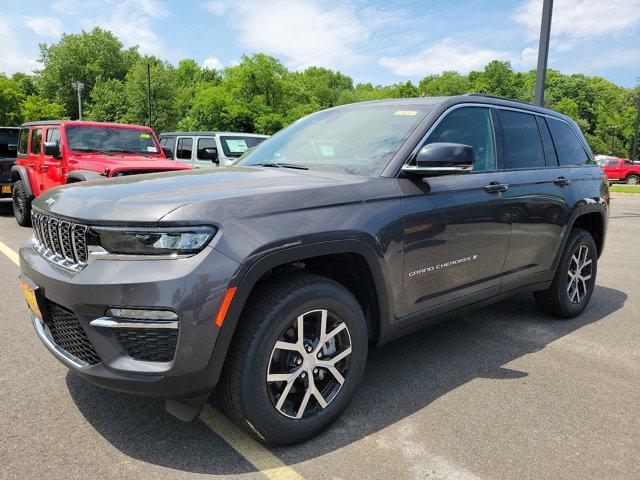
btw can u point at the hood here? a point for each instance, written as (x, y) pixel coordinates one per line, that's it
(99, 162)
(210, 194)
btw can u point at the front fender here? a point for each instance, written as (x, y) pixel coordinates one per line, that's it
(82, 176)
(247, 277)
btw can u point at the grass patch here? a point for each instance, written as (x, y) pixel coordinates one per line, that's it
(625, 188)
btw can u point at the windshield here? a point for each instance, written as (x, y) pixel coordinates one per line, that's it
(359, 140)
(110, 139)
(8, 142)
(234, 146)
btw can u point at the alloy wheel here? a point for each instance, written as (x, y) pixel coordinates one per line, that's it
(308, 364)
(579, 274)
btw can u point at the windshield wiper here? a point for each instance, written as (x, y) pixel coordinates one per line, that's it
(283, 165)
(92, 150)
(118, 150)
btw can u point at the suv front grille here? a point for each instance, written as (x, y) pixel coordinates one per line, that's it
(60, 241)
(68, 334)
(152, 345)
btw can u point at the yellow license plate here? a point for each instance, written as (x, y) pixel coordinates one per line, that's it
(6, 188)
(30, 296)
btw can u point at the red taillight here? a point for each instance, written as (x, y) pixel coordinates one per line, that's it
(224, 307)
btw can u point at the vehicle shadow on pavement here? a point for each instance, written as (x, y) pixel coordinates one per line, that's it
(401, 378)
(6, 208)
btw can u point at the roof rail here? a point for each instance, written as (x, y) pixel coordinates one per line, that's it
(496, 96)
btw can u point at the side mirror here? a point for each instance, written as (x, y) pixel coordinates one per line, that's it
(52, 149)
(210, 154)
(442, 159)
(167, 153)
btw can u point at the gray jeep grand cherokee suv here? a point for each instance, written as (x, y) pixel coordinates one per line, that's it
(270, 279)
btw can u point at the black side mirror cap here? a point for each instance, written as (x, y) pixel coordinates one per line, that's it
(211, 153)
(442, 159)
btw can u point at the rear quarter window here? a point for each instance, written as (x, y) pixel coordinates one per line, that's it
(568, 146)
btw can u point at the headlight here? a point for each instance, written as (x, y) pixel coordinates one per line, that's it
(153, 241)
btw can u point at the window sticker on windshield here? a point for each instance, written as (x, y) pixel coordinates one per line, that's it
(406, 113)
(236, 146)
(152, 149)
(145, 135)
(327, 150)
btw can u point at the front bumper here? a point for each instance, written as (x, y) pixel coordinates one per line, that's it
(192, 287)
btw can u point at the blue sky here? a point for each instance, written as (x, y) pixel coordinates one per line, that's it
(373, 41)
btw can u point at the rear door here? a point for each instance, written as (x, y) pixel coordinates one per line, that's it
(541, 189)
(53, 171)
(35, 160)
(456, 227)
(185, 151)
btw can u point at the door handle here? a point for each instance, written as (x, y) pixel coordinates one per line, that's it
(495, 187)
(44, 168)
(562, 181)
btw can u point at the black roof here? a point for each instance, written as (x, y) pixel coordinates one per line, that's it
(42, 122)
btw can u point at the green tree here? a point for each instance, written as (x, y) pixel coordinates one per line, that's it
(11, 97)
(84, 57)
(38, 108)
(445, 84)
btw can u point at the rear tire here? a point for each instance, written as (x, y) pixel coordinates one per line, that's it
(251, 394)
(574, 280)
(633, 180)
(21, 204)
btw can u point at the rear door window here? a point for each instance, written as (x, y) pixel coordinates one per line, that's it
(523, 145)
(36, 141)
(184, 148)
(23, 141)
(568, 146)
(469, 126)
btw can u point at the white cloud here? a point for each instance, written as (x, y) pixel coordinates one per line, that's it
(12, 59)
(217, 8)
(135, 23)
(44, 26)
(446, 54)
(302, 33)
(581, 18)
(212, 63)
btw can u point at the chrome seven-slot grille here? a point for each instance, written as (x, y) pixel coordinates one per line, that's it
(60, 241)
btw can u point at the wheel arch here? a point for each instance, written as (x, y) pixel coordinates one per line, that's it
(75, 176)
(314, 256)
(593, 219)
(19, 172)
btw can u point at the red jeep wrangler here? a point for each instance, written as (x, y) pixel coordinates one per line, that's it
(52, 153)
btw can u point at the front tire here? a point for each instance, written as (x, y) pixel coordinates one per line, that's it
(633, 180)
(21, 204)
(575, 277)
(296, 360)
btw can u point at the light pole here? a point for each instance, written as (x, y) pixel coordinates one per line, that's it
(543, 51)
(78, 87)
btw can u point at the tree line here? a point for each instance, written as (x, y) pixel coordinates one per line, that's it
(261, 95)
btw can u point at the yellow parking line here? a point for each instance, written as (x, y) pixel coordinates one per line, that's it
(260, 457)
(13, 256)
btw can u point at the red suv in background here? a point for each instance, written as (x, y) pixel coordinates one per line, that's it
(53, 153)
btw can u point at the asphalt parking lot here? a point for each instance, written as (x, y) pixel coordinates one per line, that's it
(501, 393)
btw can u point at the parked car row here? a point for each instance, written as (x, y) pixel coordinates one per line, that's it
(42, 155)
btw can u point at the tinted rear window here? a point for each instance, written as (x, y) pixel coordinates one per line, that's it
(8, 142)
(523, 146)
(568, 146)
